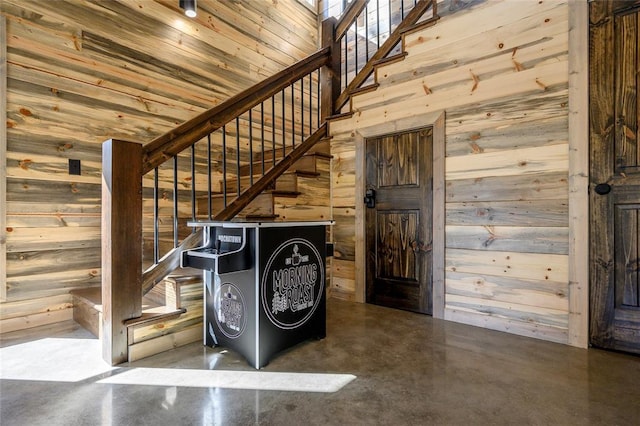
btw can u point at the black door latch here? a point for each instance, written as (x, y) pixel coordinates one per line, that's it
(370, 198)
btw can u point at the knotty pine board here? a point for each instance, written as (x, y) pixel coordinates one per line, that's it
(522, 239)
(536, 266)
(544, 294)
(523, 313)
(509, 213)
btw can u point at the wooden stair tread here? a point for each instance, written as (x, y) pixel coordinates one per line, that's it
(257, 164)
(155, 314)
(365, 89)
(91, 296)
(306, 173)
(268, 159)
(340, 116)
(264, 217)
(279, 193)
(390, 59)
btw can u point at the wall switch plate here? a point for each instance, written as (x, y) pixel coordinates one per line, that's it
(74, 167)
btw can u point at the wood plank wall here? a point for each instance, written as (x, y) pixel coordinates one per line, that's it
(81, 72)
(499, 69)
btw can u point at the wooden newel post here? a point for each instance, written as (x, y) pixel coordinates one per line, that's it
(330, 73)
(121, 245)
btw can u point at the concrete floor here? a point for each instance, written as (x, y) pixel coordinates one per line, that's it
(408, 368)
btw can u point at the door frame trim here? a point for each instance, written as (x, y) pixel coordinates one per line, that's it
(3, 159)
(578, 327)
(437, 121)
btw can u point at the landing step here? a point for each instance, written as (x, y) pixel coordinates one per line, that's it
(91, 296)
(87, 310)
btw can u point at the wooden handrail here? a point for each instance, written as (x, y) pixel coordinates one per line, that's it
(171, 260)
(412, 17)
(349, 15)
(175, 141)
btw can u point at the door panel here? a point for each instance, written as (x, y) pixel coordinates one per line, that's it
(615, 169)
(399, 227)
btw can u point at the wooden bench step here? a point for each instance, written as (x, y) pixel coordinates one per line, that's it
(155, 314)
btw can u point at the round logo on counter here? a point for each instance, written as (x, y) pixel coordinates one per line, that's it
(292, 283)
(230, 310)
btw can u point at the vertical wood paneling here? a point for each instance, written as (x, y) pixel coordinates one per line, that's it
(500, 70)
(81, 72)
(626, 39)
(627, 248)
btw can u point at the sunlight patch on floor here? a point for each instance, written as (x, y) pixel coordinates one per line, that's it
(253, 380)
(53, 359)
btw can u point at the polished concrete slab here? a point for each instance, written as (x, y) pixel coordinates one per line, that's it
(377, 366)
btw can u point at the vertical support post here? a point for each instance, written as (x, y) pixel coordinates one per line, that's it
(330, 73)
(121, 244)
(578, 174)
(3, 159)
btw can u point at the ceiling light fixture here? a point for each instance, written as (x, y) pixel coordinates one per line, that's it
(189, 7)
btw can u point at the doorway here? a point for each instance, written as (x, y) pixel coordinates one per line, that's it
(399, 220)
(615, 175)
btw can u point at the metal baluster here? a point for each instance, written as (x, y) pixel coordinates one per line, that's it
(389, 6)
(209, 176)
(346, 60)
(293, 115)
(273, 125)
(284, 129)
(250, 148)
(224, 165)
(262, 134)
(302, 109)
(175, 201)
(355, 32)
(238, 154)
(156, 225)
(310, 103)
(366, 31)
(378, 21)
(193, 184)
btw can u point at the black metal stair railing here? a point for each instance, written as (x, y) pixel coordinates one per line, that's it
(202, 180)
(196, 170)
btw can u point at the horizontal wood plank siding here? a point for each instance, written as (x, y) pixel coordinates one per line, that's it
(499, 69)
(79, 73)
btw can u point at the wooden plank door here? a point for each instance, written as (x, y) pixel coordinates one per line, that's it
(399, 226)
(615, 175)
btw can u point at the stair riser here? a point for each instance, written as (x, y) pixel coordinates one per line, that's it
(261, 205)
(306, 164)
(87, 316)
(286, 182)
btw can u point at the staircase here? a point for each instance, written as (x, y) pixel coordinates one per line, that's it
(278, 202)
(148, 312)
